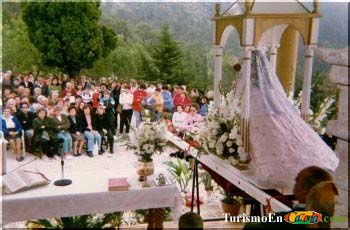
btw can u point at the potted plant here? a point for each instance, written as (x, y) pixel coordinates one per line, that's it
(180, 170)
(208, 187)
(231, 204)
(107, 220)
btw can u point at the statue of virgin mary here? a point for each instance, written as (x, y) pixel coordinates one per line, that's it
(281, 143)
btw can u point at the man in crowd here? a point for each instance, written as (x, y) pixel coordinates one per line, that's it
(167, 99)
(41, 83)
(139, 96)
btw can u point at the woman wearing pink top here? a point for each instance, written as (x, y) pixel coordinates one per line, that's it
(193, 118)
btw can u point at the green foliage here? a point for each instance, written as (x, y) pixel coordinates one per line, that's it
(229, 198)
(165, 61)
(86, 221)
(181, 172)
(18, 54)
(67, 34)
(141, 215)
(123, 62)
(321, 88)
(206, 180)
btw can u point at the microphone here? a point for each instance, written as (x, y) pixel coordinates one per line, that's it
(62, 182)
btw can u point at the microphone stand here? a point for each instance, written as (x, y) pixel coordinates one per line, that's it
(62, 182)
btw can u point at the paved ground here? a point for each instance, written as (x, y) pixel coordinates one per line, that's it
(106, 163)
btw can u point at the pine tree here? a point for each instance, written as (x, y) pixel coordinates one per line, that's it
(167, 59)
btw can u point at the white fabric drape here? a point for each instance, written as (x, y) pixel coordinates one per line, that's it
(281, 143)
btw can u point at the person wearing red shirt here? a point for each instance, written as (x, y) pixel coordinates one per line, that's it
(184, 100)
(95, 96)
(139, 95)
(177, 96)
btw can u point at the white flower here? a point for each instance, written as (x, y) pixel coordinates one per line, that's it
(224, 137)
(233, 135)
(311, 112)
(145, 147)
(219, 149)
(212, 144)
(229, 143)
(231, 150)
(233, 160)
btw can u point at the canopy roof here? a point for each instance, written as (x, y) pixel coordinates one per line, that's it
(267, 7)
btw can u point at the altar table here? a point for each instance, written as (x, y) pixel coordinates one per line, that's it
(88, 194)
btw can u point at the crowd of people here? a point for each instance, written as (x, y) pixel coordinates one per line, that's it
(57, 115)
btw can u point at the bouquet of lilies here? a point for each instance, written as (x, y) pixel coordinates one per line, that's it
(221, 134)
(148, 140)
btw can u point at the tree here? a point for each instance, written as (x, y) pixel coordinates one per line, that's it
(18, 53)
(67, 34)
(167, 59)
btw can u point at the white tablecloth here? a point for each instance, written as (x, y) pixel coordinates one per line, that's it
(53, 201)
(88, 194)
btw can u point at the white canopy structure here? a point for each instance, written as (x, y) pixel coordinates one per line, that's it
(279, 141)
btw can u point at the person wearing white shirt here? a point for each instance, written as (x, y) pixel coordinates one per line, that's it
(126, 100)
(179, 119)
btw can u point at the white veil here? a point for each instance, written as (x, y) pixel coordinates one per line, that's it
(280, 142)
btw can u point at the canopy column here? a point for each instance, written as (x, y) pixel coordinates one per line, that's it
(247, 56)
(307, 75)
(273, 56)
(218, 75)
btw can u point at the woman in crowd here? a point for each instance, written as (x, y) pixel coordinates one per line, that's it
(115, 94)
(193, 119)
(55, 87)
(149, 103)
(59, 124)
(78, 105)
(179, 119)
(167, 99)
(11, 104)
(76, 131)
(86, 96)
(203, 106)
(183, 100)
(42, 140)
(159, 103)
(126, 99)
(79, 90)
(26, 118)
(12, 130)
(90, 131)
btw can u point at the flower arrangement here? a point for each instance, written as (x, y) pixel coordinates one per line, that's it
(221, 132)
(148, 140)
(317, 119)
